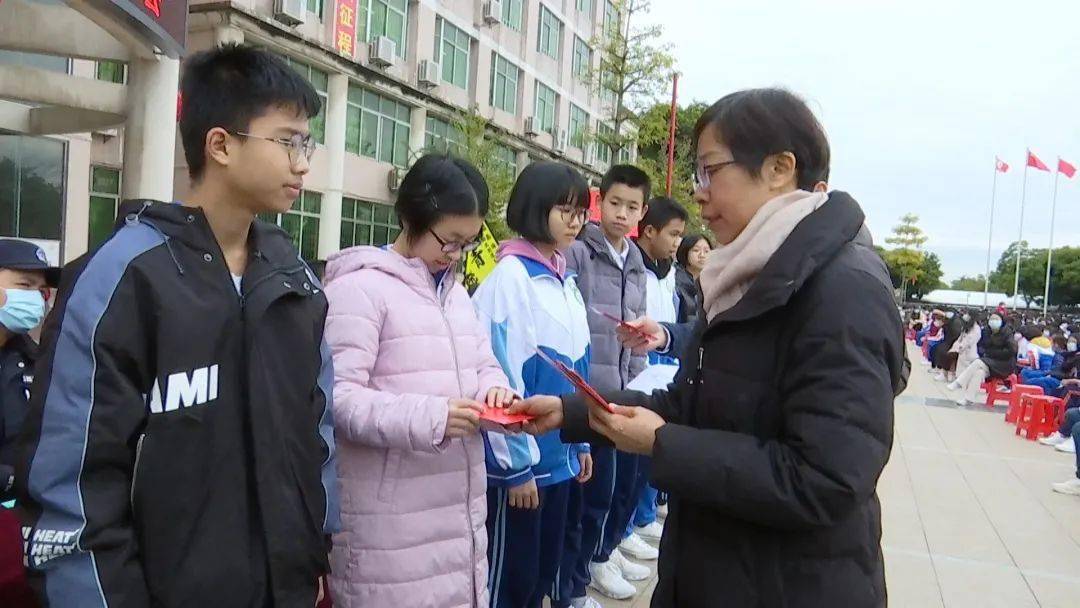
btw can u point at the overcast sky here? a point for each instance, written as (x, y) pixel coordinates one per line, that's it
(917, 98)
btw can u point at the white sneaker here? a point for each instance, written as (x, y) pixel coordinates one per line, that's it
(1067, 487)
(661, 512)
(635, 547)
(1053, 439)
(925, 362)
(630, 570)
(962, 402)
(1068, 446)
(939, 377)
(953, 386)
(607, 579)
(651, 532)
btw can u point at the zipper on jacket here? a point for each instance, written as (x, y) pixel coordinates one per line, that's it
(135, 469)
(700, 360)
(468, 463)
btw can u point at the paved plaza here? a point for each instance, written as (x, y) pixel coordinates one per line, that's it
(968, 515)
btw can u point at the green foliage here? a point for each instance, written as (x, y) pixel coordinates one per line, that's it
(653, 131)
(1064, 274)
(966, 283)
(913, 270)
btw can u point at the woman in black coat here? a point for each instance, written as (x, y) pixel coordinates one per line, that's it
(771, 440)
(998, 360)
(690, 259)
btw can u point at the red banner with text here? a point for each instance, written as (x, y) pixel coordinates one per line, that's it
(345, 27)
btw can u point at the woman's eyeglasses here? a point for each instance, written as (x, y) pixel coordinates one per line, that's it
(569, 213)
(703, 173)
(455, 246)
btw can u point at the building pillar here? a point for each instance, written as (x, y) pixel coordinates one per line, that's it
(522, 160)
(150, 129)
(337, 97)
(417, 130)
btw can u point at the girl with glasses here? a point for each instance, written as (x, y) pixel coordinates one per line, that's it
(413, 372)
(530, 302)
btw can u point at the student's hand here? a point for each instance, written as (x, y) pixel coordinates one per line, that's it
(637, 341)
(631, 429)
(463, 417)
(1070, 382)
(547, 413)
(525, 496)
(322, 592)
(585, 459)
(499, 396)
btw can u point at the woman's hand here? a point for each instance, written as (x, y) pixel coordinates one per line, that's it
(631, 429)
(462, 417)
(525, 496)
(547, 413)
(585, 459)
(646, 336)
(500, 396)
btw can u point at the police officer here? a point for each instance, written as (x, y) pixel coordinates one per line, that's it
(25, 279)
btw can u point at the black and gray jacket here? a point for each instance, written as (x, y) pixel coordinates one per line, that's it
(179, 448)
(619, 292)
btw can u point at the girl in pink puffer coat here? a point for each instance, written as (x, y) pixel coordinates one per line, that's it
(412, 366)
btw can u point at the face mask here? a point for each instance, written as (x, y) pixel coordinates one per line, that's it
(950, 315)
(995, 324)
(23, 311)
(1072, 347)
(938, 323)
(1018, 337)
(966, 318)
(1063, 326)
(1046, 333)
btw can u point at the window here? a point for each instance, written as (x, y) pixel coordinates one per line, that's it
(320, 80)
(550, 33)
(384, 18)
(51, 63)
(611, 18)
(511, 14)
(377, 127)
(111, 71)
(104, 200)
(585, 6)
(579, 127)
(582, 59)
(315, 6)
(452, 52)
(441, 136)
(301, 222)
(605, 134)
(626, 155)
(506, 158)
(608, 86)
(546, 102)
(504, 83)
(31, 186)
(366, 223)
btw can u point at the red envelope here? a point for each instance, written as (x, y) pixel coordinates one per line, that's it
(499, 415)
(623, 324)
(577, 381)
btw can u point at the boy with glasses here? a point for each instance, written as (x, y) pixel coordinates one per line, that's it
(179, 449)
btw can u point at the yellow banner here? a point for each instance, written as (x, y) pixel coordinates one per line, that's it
(481, 261)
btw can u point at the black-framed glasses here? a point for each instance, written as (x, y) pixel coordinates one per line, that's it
(298, 145)
(455, 246)
(703, 172)
(569, 213)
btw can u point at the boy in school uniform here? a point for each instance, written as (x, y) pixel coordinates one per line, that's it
(611, 277)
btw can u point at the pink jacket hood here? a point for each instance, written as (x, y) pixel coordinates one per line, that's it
(522, 248)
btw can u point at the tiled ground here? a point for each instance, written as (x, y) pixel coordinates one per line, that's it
(969, 518)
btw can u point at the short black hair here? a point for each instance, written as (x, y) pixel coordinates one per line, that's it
(662, 210)
(683, 252)
(438, 185)
(231, 85)
(629, 176)
(757, 123)
(539, 188)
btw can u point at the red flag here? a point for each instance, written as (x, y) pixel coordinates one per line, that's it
(1034, 162)
(1002, 166)
(1066, 168)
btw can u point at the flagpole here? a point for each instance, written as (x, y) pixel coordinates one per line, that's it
(1020, 238)
(990, 237)
(1050, 250)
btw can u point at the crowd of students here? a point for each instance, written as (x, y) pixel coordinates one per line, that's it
(212, 423)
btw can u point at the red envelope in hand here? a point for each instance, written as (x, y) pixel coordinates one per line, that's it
(576, 379)
(637, 330)
(499, 415)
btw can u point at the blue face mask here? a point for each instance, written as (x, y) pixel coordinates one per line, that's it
(23, 311)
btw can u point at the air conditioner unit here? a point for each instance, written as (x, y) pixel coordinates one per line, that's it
(382, 51)
(393, 179)
(493, 12)
(531, 129)
(560, 142)
(290, 12)
(429, 72)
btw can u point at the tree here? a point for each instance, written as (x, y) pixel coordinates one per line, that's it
(653, 131)
(966, 283)
(1032, 272)
(635, 68)
(908, 257)
(929, 276)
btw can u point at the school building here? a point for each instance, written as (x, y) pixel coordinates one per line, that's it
(88, 87)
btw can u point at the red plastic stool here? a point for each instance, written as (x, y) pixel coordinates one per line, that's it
(1018, 391)
(994, 390)
(1038, 416)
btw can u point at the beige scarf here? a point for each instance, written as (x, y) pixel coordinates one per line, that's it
(731, 269)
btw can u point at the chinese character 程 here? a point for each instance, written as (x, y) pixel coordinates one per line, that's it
(344, 43)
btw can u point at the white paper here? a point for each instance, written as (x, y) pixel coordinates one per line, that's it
(654, 377)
